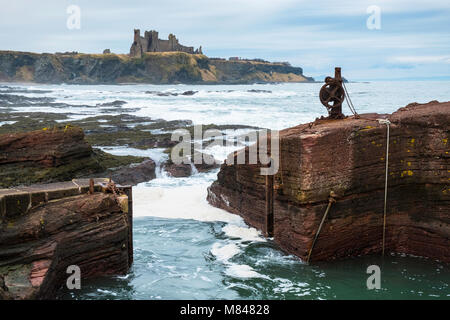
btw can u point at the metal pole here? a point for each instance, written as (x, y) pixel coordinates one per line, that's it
(387, 123)
(269, 206)
(330, 201)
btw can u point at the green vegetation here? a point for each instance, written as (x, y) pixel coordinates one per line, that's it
(153, 67)
(99, 162)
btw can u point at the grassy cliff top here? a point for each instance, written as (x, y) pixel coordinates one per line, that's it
(126, 57)
(152, 67)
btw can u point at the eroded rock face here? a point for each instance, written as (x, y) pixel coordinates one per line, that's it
(90, 231)
(47, 147)
(348, 157)
(61, 154)
(45, 155)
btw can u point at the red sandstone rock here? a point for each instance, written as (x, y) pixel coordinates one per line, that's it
(48, 147)
(61, 154)
(348, 157)
(36, 247)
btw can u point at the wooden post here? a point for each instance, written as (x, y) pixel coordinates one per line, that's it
(269, 206)
(129, 192)
(91, 186)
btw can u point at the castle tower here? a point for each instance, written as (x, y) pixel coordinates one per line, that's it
(137, 35)
(136, 49)
(151, 43)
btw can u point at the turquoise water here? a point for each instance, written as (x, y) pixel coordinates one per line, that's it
(186, 249)
(173, 260)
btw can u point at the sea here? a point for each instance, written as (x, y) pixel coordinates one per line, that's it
(185, 248)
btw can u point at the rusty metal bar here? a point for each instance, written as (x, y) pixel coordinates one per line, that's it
(269, 206)
(91, 186)
(331, 200)
(128, 190)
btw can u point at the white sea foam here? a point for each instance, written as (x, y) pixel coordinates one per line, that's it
(107, 292)
(182, 202)
(6, 122)
(156, 154)
(243, 271)
(286, 105)
(225, 252)
(244, 233)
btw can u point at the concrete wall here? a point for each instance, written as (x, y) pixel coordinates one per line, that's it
(18, 201)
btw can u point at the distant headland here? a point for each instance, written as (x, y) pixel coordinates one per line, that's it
(151, 60)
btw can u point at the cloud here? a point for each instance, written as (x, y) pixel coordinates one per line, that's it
(314, 35)
(420, 59)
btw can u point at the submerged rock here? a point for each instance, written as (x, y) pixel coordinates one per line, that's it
(187, 168)
(181, 170)
(135, 173)
(348, 157)
(259, 91)
(171, 94)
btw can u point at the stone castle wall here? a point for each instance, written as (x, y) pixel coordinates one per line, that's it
(151, 43)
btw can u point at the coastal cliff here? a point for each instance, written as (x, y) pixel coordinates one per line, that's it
(152, 67)
(348, 157)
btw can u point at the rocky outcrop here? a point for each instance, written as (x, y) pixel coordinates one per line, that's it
(188, 167)
(44, 229)
(46, 147)
(348, 157)
(135, 173)
(46, 155)
(151, 67)
(244, 71)
(60, 154)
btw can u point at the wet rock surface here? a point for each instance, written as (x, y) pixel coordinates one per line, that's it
(135, 173)
(189, 166)
(173, 94)
(348, 157)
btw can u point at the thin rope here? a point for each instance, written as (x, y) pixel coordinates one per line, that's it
(349, 101)
(387, 123)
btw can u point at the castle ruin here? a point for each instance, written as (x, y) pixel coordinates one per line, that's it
(151, 43)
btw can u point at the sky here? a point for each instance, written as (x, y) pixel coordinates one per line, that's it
(407, 40)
